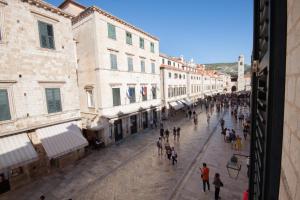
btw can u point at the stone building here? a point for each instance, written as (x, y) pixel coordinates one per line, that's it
(174, 84)
(39, 105)
(290, 164)
(118, 73)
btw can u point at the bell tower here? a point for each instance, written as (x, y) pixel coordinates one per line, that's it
(241, 72)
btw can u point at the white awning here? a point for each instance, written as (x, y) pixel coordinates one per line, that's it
(61, 139)
(175, 105)
(15, 151)
(187, 102)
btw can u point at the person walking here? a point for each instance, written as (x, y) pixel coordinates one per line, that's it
(159, 146)
(218, 184)
(208, 118)
(195, 120)
(174, 132)
(205, 176)
(167, 133)
(222, 122)
(178, 133)
(162, 133)
(173, 156)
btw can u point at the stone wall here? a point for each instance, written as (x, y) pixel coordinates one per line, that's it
(290, 173)
(27, 69)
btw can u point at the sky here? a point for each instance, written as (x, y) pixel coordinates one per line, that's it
(209, 31)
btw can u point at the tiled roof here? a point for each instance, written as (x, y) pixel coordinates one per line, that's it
(93, 9)
(49, 7)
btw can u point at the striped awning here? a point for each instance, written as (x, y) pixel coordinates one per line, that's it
(61, 139)
(16, 151)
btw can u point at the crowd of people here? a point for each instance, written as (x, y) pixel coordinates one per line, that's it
(164, 144)
(237, 105)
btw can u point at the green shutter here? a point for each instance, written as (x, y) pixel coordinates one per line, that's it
(53, 100)
(128, 38)
(111, 31)
(4, 106)
(142, 66)
(153, 68)
(46, 35)
(116, 96)
(130, 64)
(113, 61)
(142, 43)
(152, 47)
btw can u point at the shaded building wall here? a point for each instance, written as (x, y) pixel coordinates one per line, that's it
(290, 172)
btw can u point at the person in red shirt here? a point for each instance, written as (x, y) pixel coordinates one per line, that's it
(205, 177)
(245, 195)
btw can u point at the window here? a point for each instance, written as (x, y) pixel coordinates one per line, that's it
(179, 76)
(174, 64)
(152, 47)
(131, 94)
(142, 66)
(53, 100)
(142, 43)
(169, 91)
(153, 68)
(113, 61)
(163, 61)
(169, 62)
(183, 76)
(175, 75)
(154, 96)
(130, 64)
(128, 38)
(111, 31)
(0, 34)
(90, 98)
(116, 96)
(170, 75)
(46, 35)
(144, 93)
(4, 105)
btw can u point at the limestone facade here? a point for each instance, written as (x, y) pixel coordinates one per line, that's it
(290, 172)
(28, 69)
(118, 71)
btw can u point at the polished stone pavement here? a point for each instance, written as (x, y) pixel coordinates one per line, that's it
(132, 169)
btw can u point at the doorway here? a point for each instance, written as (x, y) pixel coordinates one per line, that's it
(133, 124)
(118, 130)
(145, 120)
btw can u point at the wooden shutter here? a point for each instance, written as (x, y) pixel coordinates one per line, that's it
(111, 31)
(4, 106)
(268, 82)
(152, 68)
(142, 66)
(116, 96)
(113, 61)
(46, 35)
(53, 100)
(130, 64)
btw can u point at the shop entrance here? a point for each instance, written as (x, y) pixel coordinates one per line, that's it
(145, 120)
(133, 124)
(118, 130)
